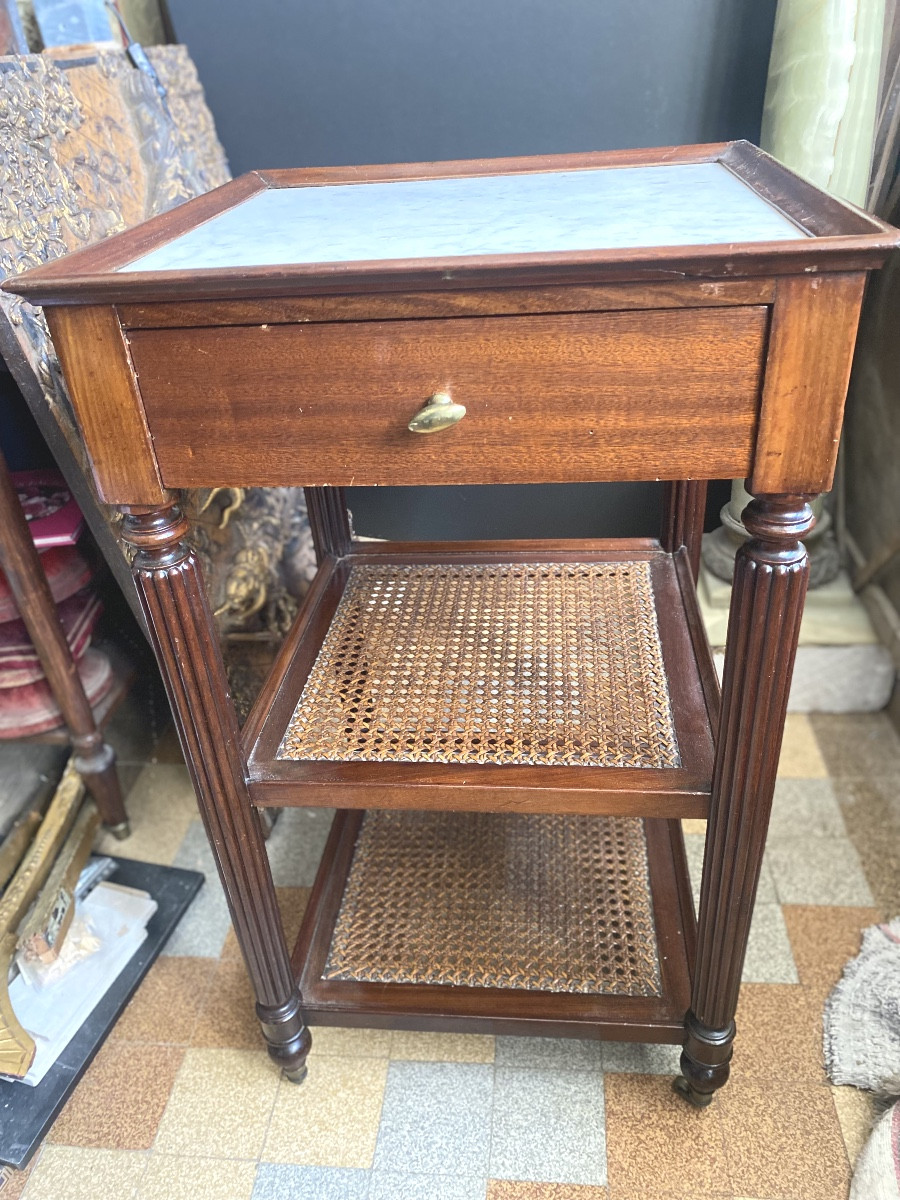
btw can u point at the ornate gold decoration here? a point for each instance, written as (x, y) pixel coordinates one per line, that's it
(16, 1045)
(87, 149)
(44, 929)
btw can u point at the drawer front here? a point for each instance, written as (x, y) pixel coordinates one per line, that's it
(559, 398)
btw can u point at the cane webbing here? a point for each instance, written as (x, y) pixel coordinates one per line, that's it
(544, 902)
(529, 663)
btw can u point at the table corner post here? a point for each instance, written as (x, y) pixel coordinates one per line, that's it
(171, 591)
(684, 508)
(770, 578)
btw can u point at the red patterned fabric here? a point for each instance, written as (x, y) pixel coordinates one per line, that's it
(66, 572)
(33, 709)
(19, 662)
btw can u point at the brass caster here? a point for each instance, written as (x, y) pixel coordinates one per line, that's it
(297, 1076)
(121, 831)
(696, 1099)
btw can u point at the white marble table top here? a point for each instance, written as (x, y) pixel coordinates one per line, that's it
(684, 204)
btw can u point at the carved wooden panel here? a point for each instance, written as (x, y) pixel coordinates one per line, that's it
(87, 148)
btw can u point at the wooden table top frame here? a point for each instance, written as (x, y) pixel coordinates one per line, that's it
(682, 362)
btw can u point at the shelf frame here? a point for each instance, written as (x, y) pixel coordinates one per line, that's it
(455, 1009)
(659, 792)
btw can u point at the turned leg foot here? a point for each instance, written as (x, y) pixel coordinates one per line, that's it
(287, 1037)
(705, 1062)
(95, 762)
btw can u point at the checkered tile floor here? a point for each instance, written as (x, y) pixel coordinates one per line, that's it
(183, 1103)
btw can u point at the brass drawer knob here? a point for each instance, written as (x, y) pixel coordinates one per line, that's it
(439, 412)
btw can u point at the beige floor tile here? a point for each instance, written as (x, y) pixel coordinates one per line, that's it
(857, 1114)
(165, 1007)
(220, 1105)
(120, 1100)
(176, 1177)
(783, 1140)
(858, 745)
(694, 825)
(442, 1047)
(350, 1043)
(801, 757)
(161, 806)
(656, 1144)
(332, 1120)
(75, 1173)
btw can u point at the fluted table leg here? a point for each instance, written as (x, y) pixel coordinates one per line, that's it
(770, 579)
(171, 591)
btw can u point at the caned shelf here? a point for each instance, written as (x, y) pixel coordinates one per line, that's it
(542, 924)
(543, 677)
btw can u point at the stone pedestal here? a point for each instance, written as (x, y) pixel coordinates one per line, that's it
(841, 666)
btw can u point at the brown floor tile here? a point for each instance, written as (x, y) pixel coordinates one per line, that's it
(783, 1140)
(641, 1193)
(823, 940)
(507, 1189)
(857, 745)
(657, 1144)
(778, 1032)
(120, 1100)
(12, 1183)
(292, 902)
(228, 1017)
(165, 1007)
(871, 811)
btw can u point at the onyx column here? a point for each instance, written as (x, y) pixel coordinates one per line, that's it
(174, 600)
(770, 578)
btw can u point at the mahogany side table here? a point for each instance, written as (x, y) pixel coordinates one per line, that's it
(510, 730)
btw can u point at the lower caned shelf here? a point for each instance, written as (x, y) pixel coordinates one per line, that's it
(554, 924)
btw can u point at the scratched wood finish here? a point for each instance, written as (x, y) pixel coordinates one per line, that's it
(810, 354)
(489, 302)
(568, 398)
(107, 404)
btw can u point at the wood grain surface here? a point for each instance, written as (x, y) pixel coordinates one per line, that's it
(566, 398)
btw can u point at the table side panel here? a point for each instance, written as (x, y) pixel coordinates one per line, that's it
(104, 393)
(556, 398)
(810, 353)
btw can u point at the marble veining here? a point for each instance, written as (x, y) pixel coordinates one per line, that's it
(683, 204)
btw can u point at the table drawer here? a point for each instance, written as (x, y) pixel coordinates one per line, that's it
(558, 398)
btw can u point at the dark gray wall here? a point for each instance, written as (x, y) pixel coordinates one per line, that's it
(356, 81)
